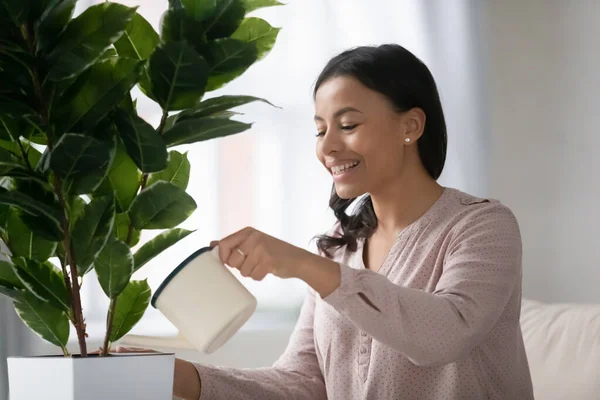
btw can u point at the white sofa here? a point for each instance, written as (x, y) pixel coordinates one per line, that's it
(563, 348)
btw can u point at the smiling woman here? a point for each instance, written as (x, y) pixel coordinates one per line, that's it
(415, 294)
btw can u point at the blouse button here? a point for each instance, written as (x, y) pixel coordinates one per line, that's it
(363, 350)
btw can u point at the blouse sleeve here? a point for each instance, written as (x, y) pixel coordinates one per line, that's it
(296, 375)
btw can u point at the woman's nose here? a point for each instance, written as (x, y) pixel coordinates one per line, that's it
(331, 143)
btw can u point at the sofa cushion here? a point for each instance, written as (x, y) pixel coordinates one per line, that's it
(563, 348)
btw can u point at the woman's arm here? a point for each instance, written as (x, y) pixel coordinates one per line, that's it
(186, 382)
(481, 270)
(296, 375)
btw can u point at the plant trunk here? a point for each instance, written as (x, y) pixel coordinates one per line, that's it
(78, 312)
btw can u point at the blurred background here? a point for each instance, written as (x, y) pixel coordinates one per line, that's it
(519, 82)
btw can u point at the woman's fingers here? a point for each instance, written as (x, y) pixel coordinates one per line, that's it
(228, 245)
(123, 349)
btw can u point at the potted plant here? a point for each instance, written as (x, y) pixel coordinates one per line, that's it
(82, 174)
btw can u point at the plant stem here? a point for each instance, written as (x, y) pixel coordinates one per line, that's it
(163, 122)
(67, 283)
(78, 320)
(24, 154)
(109, 325)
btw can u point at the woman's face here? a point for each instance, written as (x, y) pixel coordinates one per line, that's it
(361, 137)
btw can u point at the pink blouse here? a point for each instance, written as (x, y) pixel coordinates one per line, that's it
(439, 320)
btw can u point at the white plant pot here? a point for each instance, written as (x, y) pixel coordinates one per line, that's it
(122, 376)
(204, 300)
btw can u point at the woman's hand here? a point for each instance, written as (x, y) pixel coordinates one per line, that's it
(256, 254)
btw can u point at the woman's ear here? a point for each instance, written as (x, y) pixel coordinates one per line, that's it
(414, 122)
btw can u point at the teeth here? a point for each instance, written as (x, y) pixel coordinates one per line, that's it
(338, 169)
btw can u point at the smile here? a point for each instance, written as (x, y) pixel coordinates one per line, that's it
(340, 169)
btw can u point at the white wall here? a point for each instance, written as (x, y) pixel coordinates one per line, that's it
(545, 137)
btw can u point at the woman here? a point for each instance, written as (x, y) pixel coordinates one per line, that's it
(416, 294)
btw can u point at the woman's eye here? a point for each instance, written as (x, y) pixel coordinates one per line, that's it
(319, 134)
(349, 127)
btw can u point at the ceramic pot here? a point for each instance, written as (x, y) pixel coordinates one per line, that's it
(147, 376)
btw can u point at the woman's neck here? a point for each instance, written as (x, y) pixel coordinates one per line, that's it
(402, 202)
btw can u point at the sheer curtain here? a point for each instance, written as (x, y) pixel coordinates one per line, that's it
(269, 177)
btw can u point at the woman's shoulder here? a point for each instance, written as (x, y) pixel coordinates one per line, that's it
(470, 211)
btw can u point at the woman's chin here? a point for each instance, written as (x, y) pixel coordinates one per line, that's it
(348, 191)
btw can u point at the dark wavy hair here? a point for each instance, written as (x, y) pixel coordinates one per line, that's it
(406, 81)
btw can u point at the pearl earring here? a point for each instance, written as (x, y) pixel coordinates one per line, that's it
(407, 140)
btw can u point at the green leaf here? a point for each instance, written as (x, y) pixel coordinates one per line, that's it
(131, 306)
(157, 245)
(227, 18)
(91, 231)
(5, 212)
(76, 208)
(8, 278)
(139, 39)
(216, 105)
(96, 92)
(122, 222)
(17, 68)
(53, 22)
(145, 146)
(81, 162)
(161, 206)
(48, 322)
(44, 280)
(123, 179)
(228, 59)
(23, 242)
(128, 104)
(177, 171)
(251, 5)
(172, 25)
(33, 154)
(37, 9)
(87, 37)
(9, 127)
(18, 10)
(201, 129)
(178, 75)
(229, 55)
(46, 218)
(41, 191)
(259, 32)
(10, 165)
(108, 54)
(114, 266)
(14, 107)
(11, 293)
(200, 10)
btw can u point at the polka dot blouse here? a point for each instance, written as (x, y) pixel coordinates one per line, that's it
(439, 320)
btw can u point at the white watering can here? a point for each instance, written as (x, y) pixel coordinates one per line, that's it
(204, 300)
